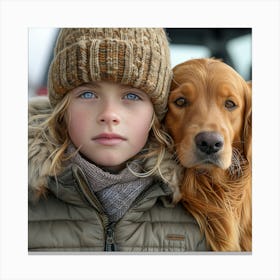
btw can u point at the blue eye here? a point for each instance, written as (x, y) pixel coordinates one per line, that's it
(132, 96)
(87, 95)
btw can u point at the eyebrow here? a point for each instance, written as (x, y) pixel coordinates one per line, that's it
(127, 87)
(93, 84)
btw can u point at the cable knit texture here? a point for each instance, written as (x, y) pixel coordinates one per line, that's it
(138, 57)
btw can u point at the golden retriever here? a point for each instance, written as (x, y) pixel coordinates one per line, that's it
(209, 118)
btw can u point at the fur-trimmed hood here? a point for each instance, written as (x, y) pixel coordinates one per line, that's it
(38, 157)
(39, 160)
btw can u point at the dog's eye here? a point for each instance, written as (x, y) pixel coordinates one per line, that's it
(230, 105)
(181, 102)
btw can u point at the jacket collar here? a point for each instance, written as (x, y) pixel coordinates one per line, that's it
(71, 186)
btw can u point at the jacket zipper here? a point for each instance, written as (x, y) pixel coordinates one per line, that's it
(110, 245)
(109, 228)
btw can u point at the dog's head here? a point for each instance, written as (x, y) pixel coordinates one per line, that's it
(209, 113)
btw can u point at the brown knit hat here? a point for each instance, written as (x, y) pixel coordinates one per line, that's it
(138, 57)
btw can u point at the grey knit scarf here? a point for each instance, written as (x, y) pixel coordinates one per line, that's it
(116, 192)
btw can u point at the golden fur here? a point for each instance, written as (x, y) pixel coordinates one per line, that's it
(209, 100)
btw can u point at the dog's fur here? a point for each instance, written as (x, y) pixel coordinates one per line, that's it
(208, 98)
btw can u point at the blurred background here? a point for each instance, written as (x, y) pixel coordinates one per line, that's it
(232, 45)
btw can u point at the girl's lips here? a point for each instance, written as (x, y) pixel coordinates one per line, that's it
(109, 139)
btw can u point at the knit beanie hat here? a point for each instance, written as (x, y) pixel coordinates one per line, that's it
(138, 57)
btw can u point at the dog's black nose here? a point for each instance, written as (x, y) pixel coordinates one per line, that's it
(209, 142)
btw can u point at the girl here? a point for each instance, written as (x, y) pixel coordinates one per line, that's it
(90, 144)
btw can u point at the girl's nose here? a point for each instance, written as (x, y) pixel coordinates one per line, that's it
(109, 115)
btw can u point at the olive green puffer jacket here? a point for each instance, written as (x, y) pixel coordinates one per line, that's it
(69, 217)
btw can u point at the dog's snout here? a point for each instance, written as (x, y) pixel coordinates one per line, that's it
(209, 142)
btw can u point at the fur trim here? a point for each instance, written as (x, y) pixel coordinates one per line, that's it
(170, 171)
(38, 151)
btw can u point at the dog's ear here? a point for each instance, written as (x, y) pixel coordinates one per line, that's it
(247, 130)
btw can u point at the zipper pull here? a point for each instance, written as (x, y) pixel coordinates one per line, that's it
(110, 241)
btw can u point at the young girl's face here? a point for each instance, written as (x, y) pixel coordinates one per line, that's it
(110, 122)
